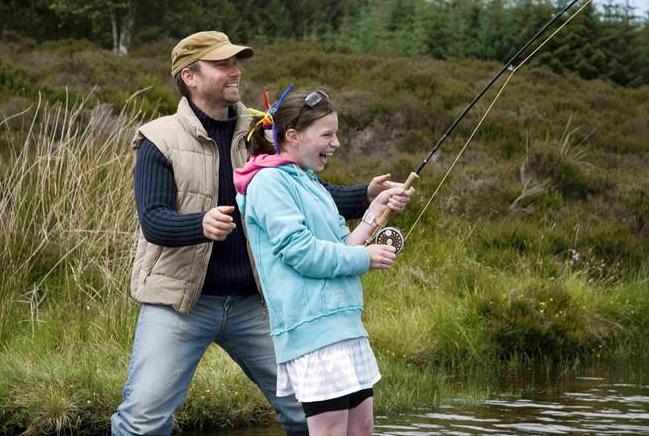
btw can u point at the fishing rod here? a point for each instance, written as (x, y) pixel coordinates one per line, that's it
(392, 235)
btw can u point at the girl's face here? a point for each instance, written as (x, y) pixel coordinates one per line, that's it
(316, 144)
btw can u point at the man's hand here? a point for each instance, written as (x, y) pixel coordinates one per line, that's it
(378, 185)
(218, 223)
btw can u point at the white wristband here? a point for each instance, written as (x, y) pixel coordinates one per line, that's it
(369, 218)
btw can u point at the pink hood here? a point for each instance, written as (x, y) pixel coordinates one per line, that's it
(244, 175)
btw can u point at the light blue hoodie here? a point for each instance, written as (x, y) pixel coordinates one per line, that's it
(309, 277)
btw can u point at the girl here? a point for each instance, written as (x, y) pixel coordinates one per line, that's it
(309, 263)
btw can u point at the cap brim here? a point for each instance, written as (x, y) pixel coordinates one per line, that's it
(228, 51)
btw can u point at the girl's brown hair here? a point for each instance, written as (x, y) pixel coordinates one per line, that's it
(294, 113)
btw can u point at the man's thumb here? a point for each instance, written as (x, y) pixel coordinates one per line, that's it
(383, 178)
(226, 209)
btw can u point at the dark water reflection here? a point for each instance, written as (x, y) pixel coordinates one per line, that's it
(603, 399)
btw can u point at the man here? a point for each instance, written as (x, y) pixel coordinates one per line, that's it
(192, 272)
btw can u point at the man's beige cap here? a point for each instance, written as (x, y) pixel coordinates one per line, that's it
(208, 46)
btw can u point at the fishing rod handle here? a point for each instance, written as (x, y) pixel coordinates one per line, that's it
(382, 220)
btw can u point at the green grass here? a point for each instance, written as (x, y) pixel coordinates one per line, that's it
(534, 249)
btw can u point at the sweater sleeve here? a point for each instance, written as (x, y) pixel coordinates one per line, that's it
(350, 200)
(276, 211)
(155, 199)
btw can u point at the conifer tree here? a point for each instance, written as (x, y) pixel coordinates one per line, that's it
(620, 42)
(437, 28)
(643, 52)
(404, 24)
(576, 48)
(497, 31)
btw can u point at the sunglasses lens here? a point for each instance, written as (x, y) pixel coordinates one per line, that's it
(313, 99)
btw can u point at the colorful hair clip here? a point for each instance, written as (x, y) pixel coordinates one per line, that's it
(266, 98)
(266, 120)
(281, 99)
(274, 109)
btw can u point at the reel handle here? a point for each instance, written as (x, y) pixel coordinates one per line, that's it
(382, 220)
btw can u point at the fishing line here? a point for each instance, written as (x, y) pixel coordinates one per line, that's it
(502, 88)
(393, 236)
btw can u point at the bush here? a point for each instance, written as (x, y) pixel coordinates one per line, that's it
(613, 245)
(415, 141)
(568, 177)
(484, 197)
(543, 320)
(521, 236)
(636, 201)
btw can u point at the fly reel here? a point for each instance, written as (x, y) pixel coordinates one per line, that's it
(391, 236)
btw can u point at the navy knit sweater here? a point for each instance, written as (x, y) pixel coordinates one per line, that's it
(229, 271)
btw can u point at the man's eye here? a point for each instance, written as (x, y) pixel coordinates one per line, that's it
(224, 64)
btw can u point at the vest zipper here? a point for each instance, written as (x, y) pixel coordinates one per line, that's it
(208, 251)
(157, 255)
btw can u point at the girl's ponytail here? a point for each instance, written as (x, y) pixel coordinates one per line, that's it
(257, 142)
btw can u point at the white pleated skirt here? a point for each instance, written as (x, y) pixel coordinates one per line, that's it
(330, 372)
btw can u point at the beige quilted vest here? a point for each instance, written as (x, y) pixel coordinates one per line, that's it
(174, 276)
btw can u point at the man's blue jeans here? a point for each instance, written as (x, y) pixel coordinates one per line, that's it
(168, 346)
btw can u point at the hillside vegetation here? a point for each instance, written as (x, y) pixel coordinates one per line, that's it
(534, 249)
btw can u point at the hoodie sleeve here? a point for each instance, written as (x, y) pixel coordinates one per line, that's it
(276, 211)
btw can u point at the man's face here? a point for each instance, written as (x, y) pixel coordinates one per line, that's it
(217, 82)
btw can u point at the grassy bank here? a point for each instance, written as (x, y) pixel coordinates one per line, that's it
(535, 249)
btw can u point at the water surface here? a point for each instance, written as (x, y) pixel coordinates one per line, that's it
(601, 399)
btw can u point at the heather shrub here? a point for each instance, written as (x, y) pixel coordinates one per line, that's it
(636, 202)
(543, 319)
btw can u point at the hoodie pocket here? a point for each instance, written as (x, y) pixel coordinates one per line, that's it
(342, 293)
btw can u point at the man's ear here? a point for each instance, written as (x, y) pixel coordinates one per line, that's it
(188, 76)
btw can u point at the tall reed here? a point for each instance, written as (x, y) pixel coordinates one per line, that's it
(66, 214)
(67, 221)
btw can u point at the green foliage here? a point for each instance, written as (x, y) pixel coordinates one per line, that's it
(629, 302)
(615, 246)
(577, 49)
(534, 246)
(568, 177)
(543, 319)
(636, 201)
(611, 45)
(415, 141)
(15, 82)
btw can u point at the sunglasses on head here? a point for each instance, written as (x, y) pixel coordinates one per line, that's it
(314, 98)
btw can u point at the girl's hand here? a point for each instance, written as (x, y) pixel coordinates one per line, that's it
(395, 199)
(381, 256)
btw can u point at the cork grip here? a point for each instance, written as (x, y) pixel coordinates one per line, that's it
(383, 219)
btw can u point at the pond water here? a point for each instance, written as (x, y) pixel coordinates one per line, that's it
(601, 399)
